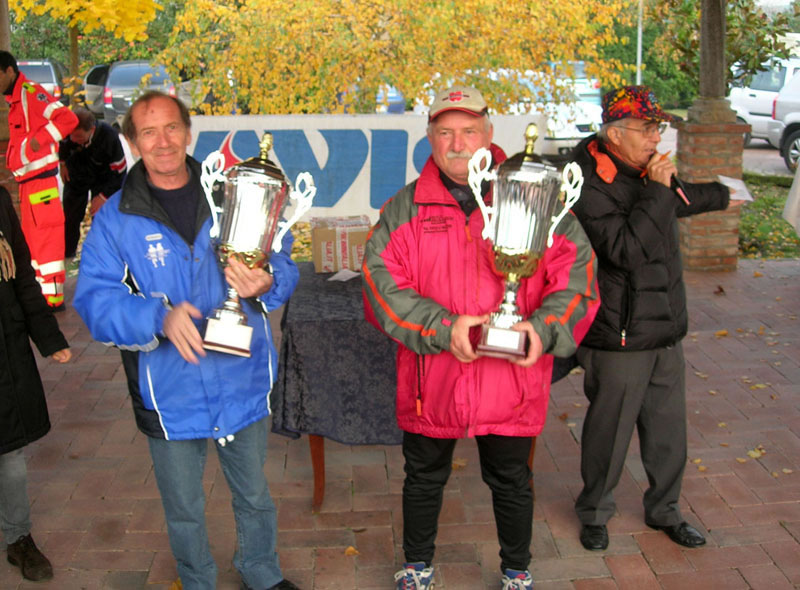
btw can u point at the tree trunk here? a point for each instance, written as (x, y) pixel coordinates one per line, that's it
(73, 51)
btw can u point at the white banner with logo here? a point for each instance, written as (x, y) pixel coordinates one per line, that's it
(358, 161)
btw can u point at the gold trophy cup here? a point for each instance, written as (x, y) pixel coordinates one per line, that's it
(520, 225)
(248, 227)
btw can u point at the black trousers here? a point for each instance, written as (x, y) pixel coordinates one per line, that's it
(504, 468)
(641, 389)
(74, 201)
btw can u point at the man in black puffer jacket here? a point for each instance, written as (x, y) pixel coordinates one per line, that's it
(632, 354)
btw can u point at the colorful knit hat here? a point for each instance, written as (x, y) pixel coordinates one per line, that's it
(633, 102)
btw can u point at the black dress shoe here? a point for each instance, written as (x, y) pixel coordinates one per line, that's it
(594, 537)
(682, 534)
(24, 554)
(282, 585)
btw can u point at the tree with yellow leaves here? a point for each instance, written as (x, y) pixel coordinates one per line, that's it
(316, 56)
(128, 21)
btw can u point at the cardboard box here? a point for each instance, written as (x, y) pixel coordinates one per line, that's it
(338, 242)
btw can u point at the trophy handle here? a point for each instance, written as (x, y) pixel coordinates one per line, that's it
(212, 168)
(572, 182)
(304, 195)
(478, 172)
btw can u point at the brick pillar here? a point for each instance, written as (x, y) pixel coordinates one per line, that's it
(710, 144)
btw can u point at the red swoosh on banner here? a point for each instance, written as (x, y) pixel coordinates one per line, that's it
(227, 151)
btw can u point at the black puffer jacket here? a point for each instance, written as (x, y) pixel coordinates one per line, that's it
(23, 314)
(632, 226)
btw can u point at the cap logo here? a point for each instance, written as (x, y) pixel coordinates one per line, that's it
(456, 96)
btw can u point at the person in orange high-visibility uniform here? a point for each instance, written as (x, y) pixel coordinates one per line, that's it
(36, 123)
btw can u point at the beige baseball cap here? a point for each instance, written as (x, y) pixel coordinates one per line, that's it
(458, 98)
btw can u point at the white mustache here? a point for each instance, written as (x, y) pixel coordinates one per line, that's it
(462, 154)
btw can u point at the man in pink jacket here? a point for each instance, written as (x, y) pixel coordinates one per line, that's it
(429, 285)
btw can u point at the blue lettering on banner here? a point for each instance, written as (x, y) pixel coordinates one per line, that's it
(388, 170)
(347, 155)
(347, 152)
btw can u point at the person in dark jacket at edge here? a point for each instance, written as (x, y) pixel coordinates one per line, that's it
(92, 161)
(632, 354)
(24, 315)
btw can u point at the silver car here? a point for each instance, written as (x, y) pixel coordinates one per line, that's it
(126, 80)
(753, 103)
(48, 73)
(784, 127)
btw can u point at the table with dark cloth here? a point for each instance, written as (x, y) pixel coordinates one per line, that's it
(336, 375)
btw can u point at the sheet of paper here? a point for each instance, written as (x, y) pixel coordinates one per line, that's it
(737, 187)
(344, 275)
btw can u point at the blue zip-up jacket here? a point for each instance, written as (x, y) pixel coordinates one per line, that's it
(133, 264)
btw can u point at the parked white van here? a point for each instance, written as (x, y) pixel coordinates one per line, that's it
(753, 103)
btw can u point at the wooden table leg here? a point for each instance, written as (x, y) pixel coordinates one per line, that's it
(317, 446)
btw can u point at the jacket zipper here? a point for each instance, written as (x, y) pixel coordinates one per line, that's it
(626, 313)
(420, 373)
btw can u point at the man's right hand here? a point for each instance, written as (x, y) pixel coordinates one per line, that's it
(97, 201)
(460, 344)
(661, 169)
(181, 331)
(64, 173)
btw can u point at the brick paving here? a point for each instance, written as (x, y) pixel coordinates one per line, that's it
(98, 517)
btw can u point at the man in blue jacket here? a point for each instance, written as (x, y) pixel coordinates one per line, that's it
(148, 277)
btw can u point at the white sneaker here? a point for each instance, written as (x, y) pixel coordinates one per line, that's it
(517, 580)
(414, 576)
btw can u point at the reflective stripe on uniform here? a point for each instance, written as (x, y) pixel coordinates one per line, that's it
(53, 130)
(22, 149)
(51, 268)
(39, 164)
(50, 287)
(54, 300)
(47, 194)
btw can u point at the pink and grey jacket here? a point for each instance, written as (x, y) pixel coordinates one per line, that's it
(426, 264)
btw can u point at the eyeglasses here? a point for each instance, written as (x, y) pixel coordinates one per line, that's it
(648, 130)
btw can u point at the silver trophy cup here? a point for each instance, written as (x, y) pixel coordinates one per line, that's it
(520, 224)
(248, 227)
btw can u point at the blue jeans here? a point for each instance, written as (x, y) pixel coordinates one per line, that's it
(15, 509)
(178, 466)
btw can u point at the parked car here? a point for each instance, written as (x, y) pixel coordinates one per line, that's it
(753, 102)
(47, 72)
(390, 100)
(91, 91)
(127, 79)
(783, 130)
(586, 89)
(567, 122)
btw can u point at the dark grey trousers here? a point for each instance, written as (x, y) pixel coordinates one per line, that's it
(645, 389)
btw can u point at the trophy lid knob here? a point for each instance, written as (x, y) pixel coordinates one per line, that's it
(531, 135)
(264, 146)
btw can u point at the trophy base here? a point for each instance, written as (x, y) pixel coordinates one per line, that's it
(222, 336)
(502, 343)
